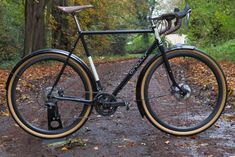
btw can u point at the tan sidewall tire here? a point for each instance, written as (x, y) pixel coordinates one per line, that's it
(186, 133)
(27, 129)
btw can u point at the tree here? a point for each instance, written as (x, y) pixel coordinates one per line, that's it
(60, 24)
(35, 35)
(11, 29)
(212, 22)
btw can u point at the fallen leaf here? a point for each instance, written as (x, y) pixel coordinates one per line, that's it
(4, 137)
(204, 144)
(64, 149)
(228, 117)
(228, 106)
(88, 129)
(128, 140)
(231, 91)
(5, 113)
(121, 146)
(143, 143)
(24, 97)
(167, 142)
(69, 143)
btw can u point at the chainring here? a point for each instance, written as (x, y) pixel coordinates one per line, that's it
(102, 105)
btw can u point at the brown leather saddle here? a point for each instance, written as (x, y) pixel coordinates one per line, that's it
(73, 9)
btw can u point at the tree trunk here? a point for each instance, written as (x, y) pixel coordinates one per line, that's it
(34, 26)
(61, 31)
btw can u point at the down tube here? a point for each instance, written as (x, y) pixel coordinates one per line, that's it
(134, 69)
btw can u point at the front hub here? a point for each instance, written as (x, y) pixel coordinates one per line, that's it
(182, 93)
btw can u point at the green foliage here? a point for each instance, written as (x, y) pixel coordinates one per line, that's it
(11, 29)
(9, 64)
(137, 44)
(212, 21)
(225, 51)
(212, 24)
(110, 58)
(111, 15)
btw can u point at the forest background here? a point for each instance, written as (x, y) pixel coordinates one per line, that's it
(28, 25)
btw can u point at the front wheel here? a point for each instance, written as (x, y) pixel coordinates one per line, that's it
(198, 108)
(28, 95)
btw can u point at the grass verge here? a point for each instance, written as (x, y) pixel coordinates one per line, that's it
(225, 51)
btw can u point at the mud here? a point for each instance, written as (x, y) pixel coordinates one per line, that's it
(125, 133)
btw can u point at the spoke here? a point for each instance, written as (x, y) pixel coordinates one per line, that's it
(187, 113)
(159, 96)
(195, 109)
(70, 84)
(28, 81)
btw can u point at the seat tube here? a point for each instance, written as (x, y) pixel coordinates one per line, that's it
(92, 65)
(91, 62)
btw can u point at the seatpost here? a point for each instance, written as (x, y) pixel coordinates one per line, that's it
(77, 23)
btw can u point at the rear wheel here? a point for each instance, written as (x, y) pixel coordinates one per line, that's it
(193, 111)
(30, 105)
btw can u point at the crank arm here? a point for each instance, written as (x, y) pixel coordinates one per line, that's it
(115, 104)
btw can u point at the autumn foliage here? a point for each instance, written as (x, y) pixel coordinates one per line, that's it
(3, 78)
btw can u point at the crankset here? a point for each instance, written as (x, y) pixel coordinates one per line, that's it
(106, 104)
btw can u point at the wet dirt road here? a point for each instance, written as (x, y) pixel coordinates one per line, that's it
(123, 134)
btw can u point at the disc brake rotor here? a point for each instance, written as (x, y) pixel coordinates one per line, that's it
(180, 96)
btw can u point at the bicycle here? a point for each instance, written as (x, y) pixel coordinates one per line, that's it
(186, 104)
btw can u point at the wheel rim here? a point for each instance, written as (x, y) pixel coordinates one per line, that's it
(165, 116)
(37, 125)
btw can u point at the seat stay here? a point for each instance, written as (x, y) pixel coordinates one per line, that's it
(73, 9)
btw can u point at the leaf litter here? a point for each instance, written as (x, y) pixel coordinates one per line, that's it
(67, 144)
